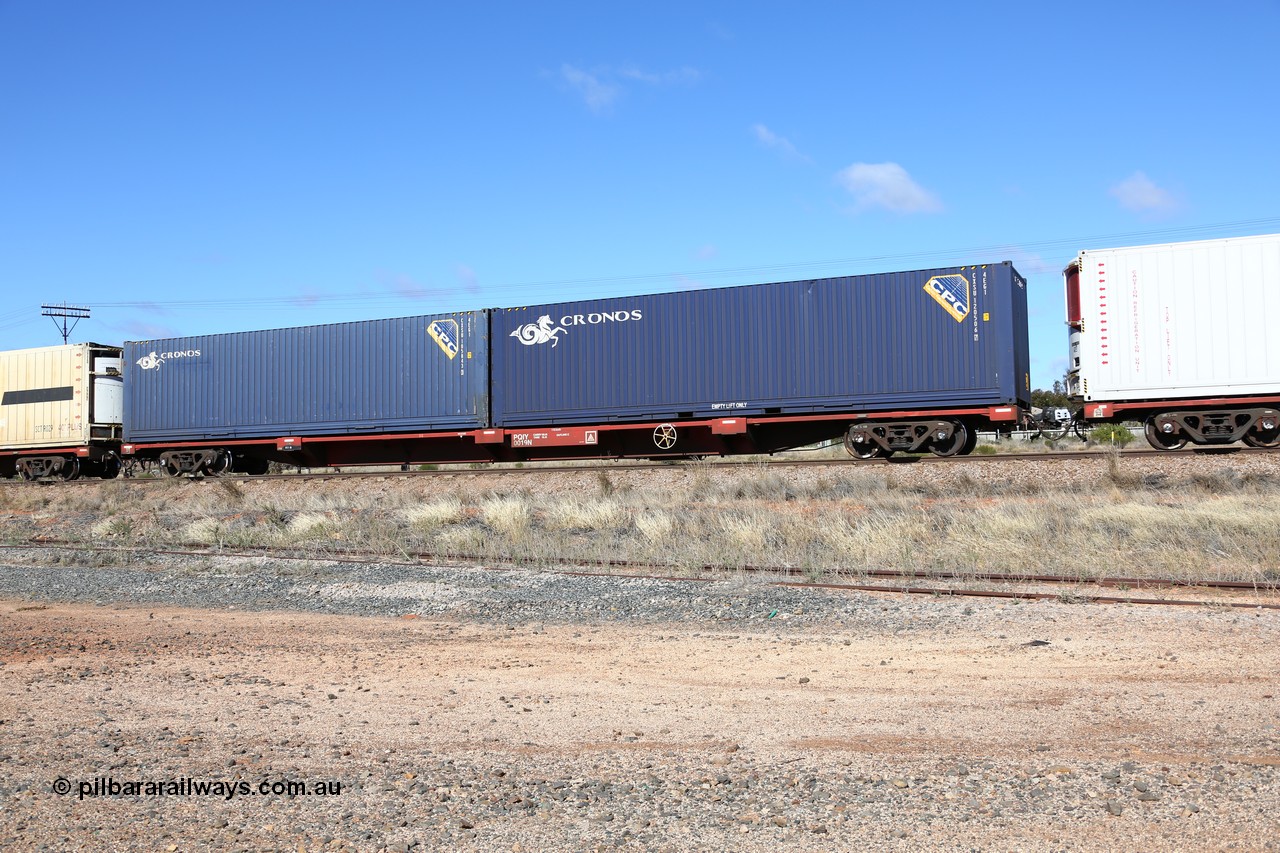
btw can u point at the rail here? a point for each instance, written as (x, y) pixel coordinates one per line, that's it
(773, 575)
(534, 468)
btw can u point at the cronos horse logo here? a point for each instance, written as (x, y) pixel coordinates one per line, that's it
(540, 332)
(153, 361)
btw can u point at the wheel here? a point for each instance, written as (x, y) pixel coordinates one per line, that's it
(170, 468)
(953, 444)
(25, 473)
(1164, 441)
(863, 449)
(70, 468)
(221, 463)
(109, 468)
(970, 443)
(664, 436)
(1267, 439)
(868, 451)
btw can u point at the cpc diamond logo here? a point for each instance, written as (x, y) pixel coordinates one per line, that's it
(952, 293)
(445, 334)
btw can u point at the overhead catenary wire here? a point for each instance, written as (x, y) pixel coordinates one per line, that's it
(462, 299)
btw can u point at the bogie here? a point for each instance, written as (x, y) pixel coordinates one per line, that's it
(880, 439)
(1173, 430)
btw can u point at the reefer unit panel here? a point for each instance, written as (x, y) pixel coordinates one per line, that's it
(1198, 319)
(922, 339)
(59, 396)
(403, 375)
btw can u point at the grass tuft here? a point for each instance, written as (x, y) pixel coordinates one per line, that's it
(508, 516)
(429, 516)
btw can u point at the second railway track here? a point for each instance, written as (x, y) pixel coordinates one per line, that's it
(984, 584)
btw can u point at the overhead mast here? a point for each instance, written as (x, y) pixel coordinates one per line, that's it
(64, 312)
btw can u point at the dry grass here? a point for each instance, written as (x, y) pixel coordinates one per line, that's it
(831, 523)
(586, 515)
(507, 516)
(430, 516)
(656, 526)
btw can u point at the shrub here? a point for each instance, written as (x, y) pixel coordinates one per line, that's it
(1113, 434)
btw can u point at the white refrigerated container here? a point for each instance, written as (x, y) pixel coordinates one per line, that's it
(1176, 321)
(60, 396)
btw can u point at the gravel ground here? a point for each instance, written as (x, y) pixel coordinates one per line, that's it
(516, 710)
(516, 596)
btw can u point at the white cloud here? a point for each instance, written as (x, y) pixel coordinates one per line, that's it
(1140, 194)
(407, 287)
(1028, 263)
(598, 95)
(601, 87)
(773, 141)
(685, 76)
(141, 330)
(468, 277)
(686, 283)
(887, 185)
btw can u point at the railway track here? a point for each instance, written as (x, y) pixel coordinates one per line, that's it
(536, 468)
(1073, 589)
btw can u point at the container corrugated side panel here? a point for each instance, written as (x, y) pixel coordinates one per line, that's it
(45, 395)
(346, 378)
(1021, 340)
(838, 344)
(1194, 319)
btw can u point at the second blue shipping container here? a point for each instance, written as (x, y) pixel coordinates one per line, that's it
(410, 374)
(941, 338)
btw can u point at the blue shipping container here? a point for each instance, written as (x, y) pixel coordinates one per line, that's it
(938, 338)
(402, 375)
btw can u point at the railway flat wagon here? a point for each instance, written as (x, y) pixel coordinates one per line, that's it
(1183, 337)
(60, 411)
(903, 361)
(370, 392)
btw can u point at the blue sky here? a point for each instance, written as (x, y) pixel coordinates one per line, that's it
(191, 169)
